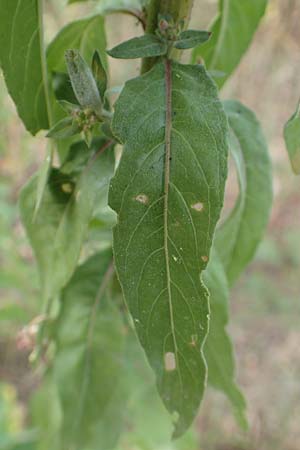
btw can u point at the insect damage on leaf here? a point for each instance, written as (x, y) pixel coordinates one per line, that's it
(171, 123)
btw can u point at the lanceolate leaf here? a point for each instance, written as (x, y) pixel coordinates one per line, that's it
(88, 366)
(168, 193)
(140, 47)
(232, 32)
(191, 38)
(59, 227)
(22, 60)
(99, 73)
(292, 140)
(218, 348)
(239, 236)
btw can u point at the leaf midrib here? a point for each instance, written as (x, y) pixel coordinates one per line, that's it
(168, 129)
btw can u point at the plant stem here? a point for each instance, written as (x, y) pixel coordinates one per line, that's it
(178, 9)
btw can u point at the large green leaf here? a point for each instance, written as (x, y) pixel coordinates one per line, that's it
(232, 32)
(86, 35)
(237, 239)
(60, 225)
(292, 140)
(218, 348)
(88, 366)
(168, 193)
(22, 60)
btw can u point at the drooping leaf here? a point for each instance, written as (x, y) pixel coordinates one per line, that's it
(22, 60)
(232, 32)
(237, 239)
(59, 228)
(168, 193)
(218, 348)
(88, 366)
(292, 140)
(140, 47)
(191, 38)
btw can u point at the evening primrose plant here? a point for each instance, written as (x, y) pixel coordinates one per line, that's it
(135, 264)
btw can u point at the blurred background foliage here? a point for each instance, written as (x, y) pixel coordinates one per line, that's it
(265, 304)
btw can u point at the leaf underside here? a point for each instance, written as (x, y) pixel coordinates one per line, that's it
(168, 193)
(238, 237)
(22, 60)
(218, 349)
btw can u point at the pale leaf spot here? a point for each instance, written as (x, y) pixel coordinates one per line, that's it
(142, 198)
(170, 362)
(193, 340)
(198, 206)
(204, 258)
(67, 188)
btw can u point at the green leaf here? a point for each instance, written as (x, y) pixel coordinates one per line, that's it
(22, 60)
(99, 74)
(168, 193)
(90, 340)
(237, 239)
(83, 82)
(292, 140)
(43, 176)
(191, 38)
(148, 425)
(46, 415)
(232, 32)
(86, 35)
(140, 47)
(59, 228)
(218, 348)
(63, 129)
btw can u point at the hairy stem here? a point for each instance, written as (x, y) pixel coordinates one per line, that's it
(178, 9)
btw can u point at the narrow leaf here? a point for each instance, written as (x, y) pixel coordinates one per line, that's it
(238, 237)
(83, 82)
(168, 193)
(218, 348)
(191, 38)
(22, 60)
(232, 32)
(292, 140)
(89, 360)
(63, 129)
(99, 74)
(59, 228)
(140, 47)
